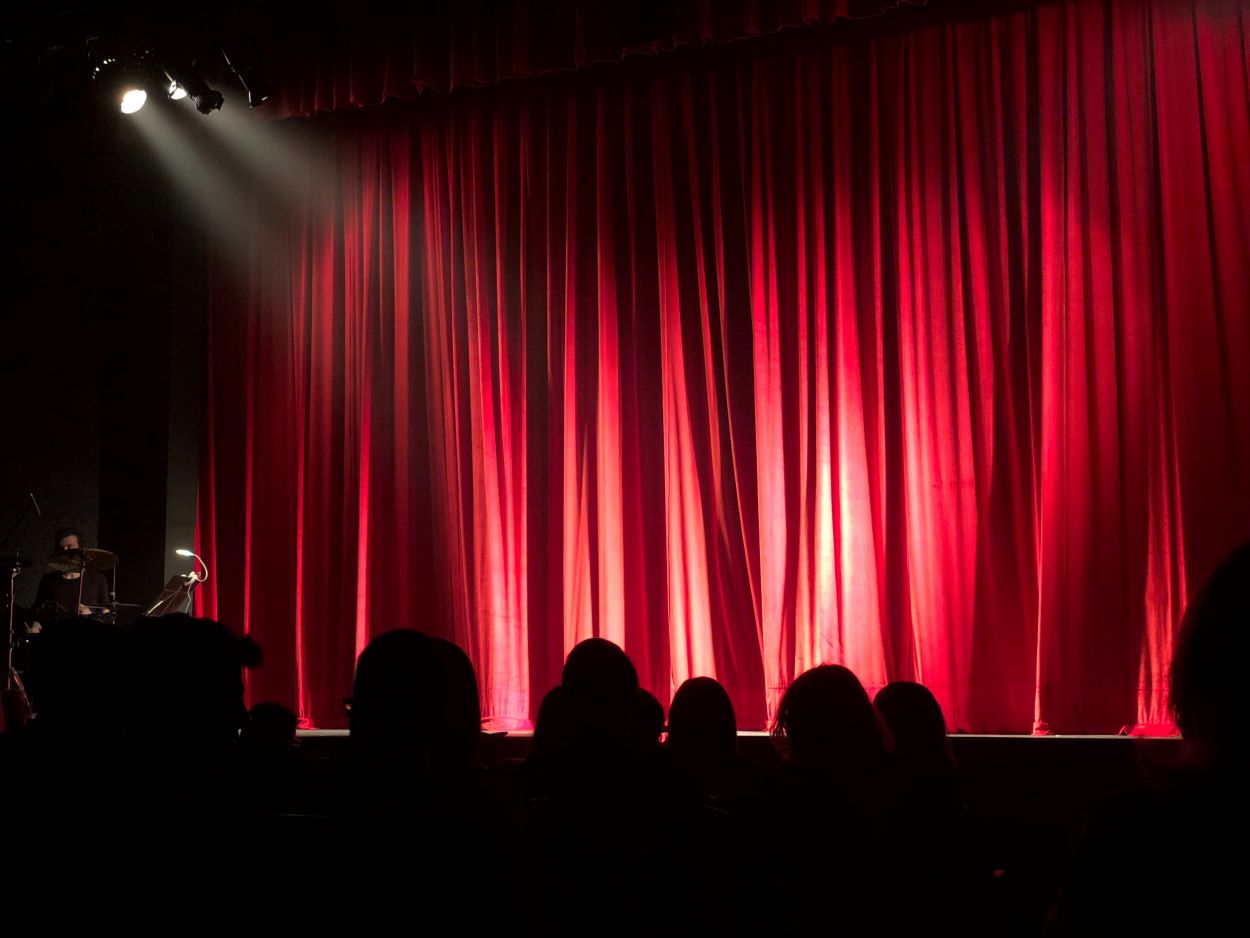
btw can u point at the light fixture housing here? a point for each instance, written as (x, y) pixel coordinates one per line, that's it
(208, 101)
(185, 78)
(128, 78)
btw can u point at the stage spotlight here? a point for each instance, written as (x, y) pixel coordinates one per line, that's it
(184, 78)
(208, 101)
(122, 82)
(133, 99)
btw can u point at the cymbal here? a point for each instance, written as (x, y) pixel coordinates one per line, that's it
(82, 559)
(19, 563)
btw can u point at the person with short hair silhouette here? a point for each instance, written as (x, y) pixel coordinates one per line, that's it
(605, 820)
(420, 832)
(834, 801)
(915, 722)
(703, 736)
(1171, 857)
(941, 862)
(701, 722)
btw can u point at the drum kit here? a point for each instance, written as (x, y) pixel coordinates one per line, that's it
(23, 623)
(77, 563)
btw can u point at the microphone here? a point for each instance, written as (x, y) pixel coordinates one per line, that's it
(35, 503)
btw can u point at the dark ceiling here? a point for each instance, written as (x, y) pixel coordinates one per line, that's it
(48, 51)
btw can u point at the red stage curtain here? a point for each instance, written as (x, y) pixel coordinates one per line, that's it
(927, 355)
(344, 59)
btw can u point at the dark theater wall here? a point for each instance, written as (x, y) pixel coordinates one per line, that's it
(102, 317)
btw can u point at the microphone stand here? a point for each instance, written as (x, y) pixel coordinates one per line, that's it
(11, 679)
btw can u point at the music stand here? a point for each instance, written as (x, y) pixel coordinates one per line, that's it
(175, 597)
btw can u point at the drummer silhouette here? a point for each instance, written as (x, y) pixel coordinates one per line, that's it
(76, 585)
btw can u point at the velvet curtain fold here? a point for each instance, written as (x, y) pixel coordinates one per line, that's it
(925, 355)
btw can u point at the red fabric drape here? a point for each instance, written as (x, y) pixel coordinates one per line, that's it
(926, 356)
(343, 58)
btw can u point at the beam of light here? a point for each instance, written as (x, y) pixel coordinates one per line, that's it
(214, 189)
(133, 100)
(278, 152)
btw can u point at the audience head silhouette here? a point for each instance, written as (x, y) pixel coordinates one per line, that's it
(599, 682)
(418, 695)
(1208, 687)
(646, 719)
(459, 713)
(701, 722)
(915, 721)
(185, 682)
(550, 726)
(827, 720)
(395, 691)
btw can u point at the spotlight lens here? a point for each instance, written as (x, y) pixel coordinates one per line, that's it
(176, 91)
(133, 99)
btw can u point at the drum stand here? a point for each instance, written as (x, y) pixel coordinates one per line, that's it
(82, 576)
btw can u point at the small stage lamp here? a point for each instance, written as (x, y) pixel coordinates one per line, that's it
(200, 577)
